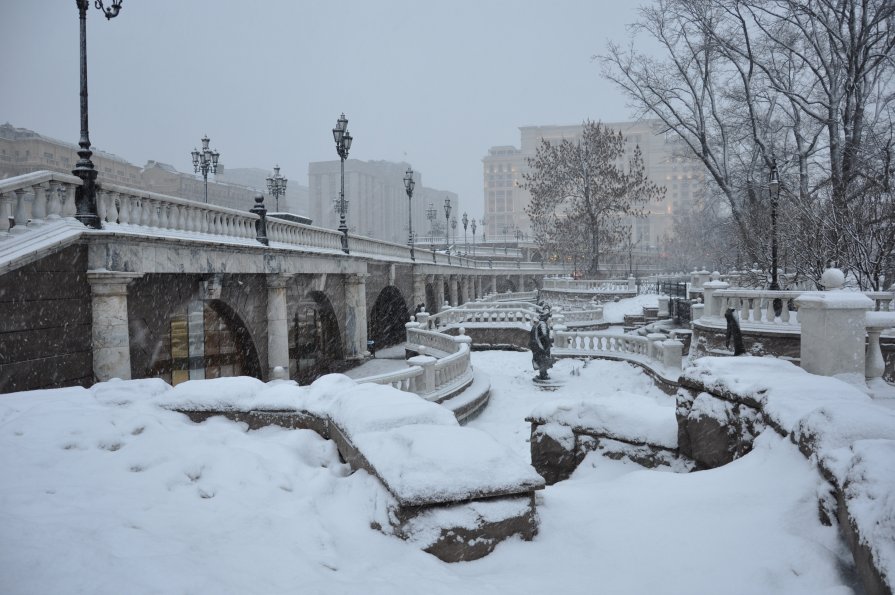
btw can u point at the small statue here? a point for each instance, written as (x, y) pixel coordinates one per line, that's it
(733, 329)
(539, 343)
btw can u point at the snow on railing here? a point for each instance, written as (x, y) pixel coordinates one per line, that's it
(656, 350)
(443, 367)
(512, 296)
(30, 200)
(472, 313)
(591, 285)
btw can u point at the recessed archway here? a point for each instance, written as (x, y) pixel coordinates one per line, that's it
(315, 342)
(387, 319)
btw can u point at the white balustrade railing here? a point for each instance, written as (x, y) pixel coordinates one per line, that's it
(430, 377)
(476, 315)
(512, 296)
(591, 285)
(593, 314)
(30, 200)
(656, 351)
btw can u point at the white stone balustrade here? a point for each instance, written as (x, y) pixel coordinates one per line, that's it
(656, 352)
(591, 285)
(876, 323)
(30, 200)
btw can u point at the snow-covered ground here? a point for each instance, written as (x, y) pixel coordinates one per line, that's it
(105, 494)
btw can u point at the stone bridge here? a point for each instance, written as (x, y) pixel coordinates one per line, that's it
(182, 290)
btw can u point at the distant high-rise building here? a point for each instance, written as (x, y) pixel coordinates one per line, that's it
(505, 198)
(376, 199)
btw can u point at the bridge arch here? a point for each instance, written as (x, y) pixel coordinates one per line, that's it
(200, 339)
(315, 341)
(387, 318)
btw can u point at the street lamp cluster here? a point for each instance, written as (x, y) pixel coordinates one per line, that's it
(276, 185)
(343, 140)
(204, 161)
(408, 186)
(447, 227)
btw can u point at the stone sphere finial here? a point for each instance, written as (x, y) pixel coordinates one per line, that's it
(832, 278)
(259, 198)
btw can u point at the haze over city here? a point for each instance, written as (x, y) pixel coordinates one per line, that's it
(435, 85)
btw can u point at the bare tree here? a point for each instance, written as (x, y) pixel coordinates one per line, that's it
(582, 190)
(805, 83)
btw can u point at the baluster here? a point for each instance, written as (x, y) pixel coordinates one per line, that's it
(101, 205)
(67, 200)
(20, 218)
(39, 206)
(5, 213)
(124, 210)
(769, 310)
(153, 212)
(112, 209)
(744, 309)
(165, 215)
(784, 313)
(756, 309)
(54, 201)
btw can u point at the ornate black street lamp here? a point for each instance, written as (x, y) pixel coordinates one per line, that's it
(774, 191)
(454, 229)
(343, 144)
(276, 185)
(430, 215)
(473, 238)
(447, 227)
(85, 195)
(465, 241)
(408, 186)
(204, 161)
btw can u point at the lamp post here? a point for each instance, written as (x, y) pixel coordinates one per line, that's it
(408, 186)
(343, 144)
(774, 191)
(447, 227)
(430, 215)
(484, 223)
(204, 161)
(473, 238)
(276, 185)
(454, 229)
(85, 195)
(465, 241)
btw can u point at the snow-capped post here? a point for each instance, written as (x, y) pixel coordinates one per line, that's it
(711, 304)
(663, 306)
(425, 383)
(833, 328)
(672, 354)
(261, 224)
(632, 284)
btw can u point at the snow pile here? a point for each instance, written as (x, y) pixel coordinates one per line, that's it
(625, 416)
(614, 312)
(107, 492)
(785, 392)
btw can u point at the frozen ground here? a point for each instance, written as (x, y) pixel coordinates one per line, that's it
(117, 495)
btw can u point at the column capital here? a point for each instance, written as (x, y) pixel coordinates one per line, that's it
(110, 282)
(278, 280)
(355, 278)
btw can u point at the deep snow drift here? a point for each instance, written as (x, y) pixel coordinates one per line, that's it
(113, 494)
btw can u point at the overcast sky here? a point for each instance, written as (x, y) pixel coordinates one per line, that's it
(433, 84)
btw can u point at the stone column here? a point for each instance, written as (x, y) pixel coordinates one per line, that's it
(493, 283)
(356, 316)
(439, 293)
(833, 335)
(464, 289)
(478, 286)
(277, 327)
(452, 281)
(111, 338)
(419, 291)
(521, 283)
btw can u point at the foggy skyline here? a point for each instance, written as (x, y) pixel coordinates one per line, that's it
(433, 85)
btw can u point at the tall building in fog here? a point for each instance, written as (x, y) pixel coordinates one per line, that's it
(377, 202)
(505, 199)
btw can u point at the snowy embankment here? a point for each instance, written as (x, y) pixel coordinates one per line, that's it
(849, 435)
(106, 492)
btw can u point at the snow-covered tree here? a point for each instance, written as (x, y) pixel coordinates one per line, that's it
(582, 190)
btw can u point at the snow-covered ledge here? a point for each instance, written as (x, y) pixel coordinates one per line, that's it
(725, 402)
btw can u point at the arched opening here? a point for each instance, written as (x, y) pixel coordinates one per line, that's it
(315, 343)
(387, 319)
(505, 284)
(202, 340)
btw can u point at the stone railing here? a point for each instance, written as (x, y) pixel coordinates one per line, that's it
(594, 313)
(30, 200)
(591, 285)
(481, 313)
(656, 351)
(756, 306)
(513, 296)
(442, 369)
